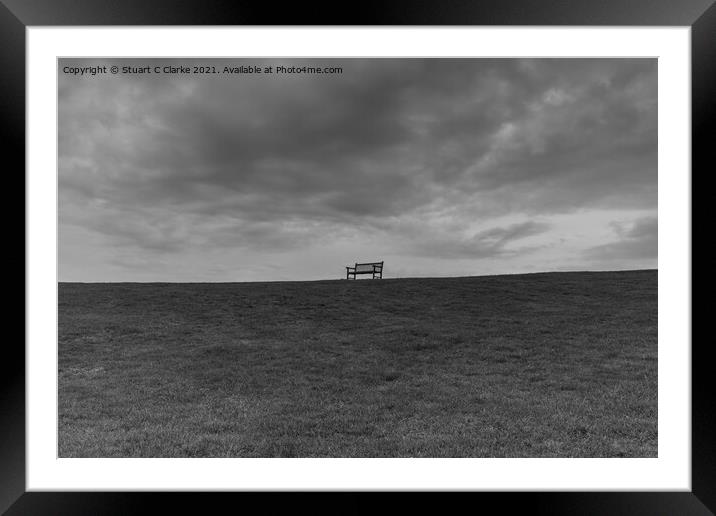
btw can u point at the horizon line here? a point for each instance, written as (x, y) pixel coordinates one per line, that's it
(366, 279)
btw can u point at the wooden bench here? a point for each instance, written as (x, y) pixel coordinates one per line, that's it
(375, 268)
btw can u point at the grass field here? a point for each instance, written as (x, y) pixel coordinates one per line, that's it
(538, 365)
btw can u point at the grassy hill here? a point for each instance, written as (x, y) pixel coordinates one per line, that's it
(537, 365)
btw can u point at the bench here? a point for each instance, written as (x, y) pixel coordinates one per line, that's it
(375, 269)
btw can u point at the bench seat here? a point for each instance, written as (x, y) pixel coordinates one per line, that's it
(373, 268)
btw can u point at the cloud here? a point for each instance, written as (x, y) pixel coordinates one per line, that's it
(166, 163)
(637, 239)
(493, 242)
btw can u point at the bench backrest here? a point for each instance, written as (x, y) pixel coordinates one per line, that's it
(369, 267)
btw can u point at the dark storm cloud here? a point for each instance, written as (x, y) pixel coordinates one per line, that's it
(166, 162)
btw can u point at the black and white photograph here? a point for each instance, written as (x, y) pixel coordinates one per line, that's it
(357, 257)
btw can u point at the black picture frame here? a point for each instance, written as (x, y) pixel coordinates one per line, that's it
(700, 15)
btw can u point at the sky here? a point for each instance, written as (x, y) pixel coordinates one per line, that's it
(438, 167)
